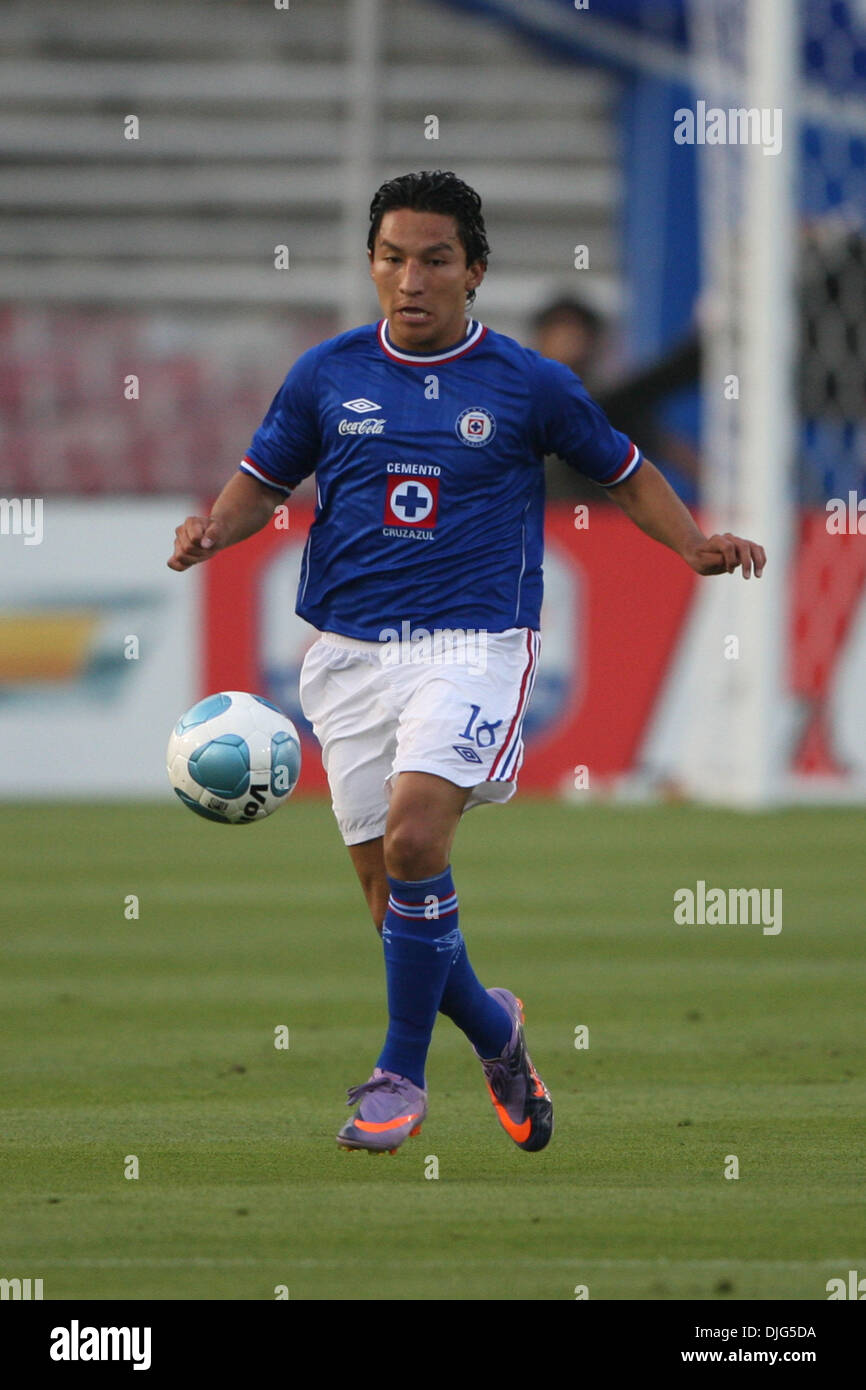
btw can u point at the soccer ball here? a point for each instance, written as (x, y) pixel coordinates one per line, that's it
(234, 758)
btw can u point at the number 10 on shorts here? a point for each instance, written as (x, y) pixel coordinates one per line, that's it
(483, 734)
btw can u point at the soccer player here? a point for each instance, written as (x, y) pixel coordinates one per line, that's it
(422, 572)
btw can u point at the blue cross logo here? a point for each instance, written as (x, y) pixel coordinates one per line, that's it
(411, 501)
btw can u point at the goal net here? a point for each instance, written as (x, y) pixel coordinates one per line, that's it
(770, 691)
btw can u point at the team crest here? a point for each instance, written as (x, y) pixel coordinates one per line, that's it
(475, 426)
(411, 502)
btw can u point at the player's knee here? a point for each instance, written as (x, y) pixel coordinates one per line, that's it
(410, 851)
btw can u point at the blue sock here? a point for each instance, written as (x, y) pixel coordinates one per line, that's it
(467, 1003)
(420, 936)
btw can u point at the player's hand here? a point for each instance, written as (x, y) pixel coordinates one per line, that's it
(724, 554)
(196, 539)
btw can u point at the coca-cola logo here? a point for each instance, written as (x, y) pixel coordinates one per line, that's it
(368, 426)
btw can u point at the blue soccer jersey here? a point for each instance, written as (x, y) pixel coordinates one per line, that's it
(429, 477)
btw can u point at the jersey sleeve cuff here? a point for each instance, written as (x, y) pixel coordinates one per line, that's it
(248, 465)
(630, 464)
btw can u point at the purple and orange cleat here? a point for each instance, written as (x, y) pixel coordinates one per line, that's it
(520, 1098)
(391, 1109)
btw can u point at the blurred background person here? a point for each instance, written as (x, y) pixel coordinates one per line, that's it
(571, 331)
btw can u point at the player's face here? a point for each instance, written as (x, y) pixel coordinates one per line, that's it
(571, 341)
(418, 265)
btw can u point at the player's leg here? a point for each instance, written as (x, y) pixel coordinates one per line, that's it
(423, 816)
(419, 938)
(420, 931)
(466, 726)
(464, 999)
(417, 839)
(423, 943)
(346, 695)
(421, 824)
(369, 861)
(351, 703)
(422, 820)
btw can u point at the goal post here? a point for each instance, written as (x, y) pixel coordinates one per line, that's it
(733, 747)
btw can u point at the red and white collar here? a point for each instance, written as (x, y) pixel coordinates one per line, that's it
(474, 334)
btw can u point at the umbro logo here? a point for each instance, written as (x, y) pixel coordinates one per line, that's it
(467, 754)
(361, 405)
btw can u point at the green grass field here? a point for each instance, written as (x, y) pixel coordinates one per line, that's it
(155, 1038)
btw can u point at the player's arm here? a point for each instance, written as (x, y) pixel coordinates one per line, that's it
(653, 505)
(243, 507)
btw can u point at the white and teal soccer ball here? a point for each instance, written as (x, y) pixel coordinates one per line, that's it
(234, 758)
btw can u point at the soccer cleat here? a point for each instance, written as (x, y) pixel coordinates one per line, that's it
(391, 1108)
(520, 1098)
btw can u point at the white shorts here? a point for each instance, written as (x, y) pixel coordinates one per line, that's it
(455, 711)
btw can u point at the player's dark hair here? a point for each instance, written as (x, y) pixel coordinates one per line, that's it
(435, 191)
(567, 308)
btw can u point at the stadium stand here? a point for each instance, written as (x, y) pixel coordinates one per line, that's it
(155, 256)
